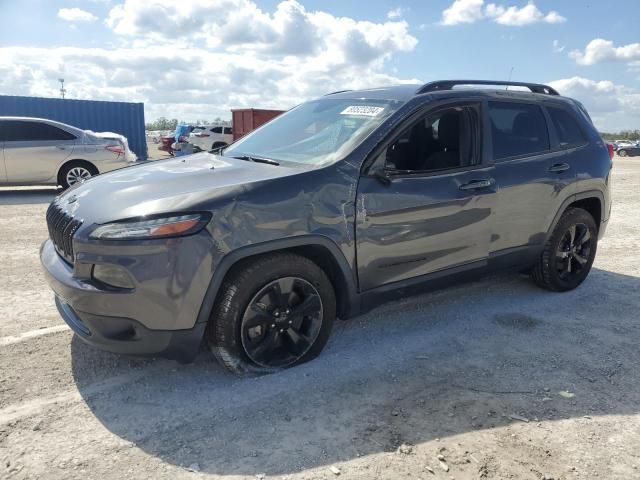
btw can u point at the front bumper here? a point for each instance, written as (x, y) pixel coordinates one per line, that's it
(157, 317)
(129, 337)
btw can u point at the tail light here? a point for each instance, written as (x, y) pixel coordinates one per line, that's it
(116, 149)
(611, 150)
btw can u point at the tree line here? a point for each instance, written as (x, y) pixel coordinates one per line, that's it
(163, 123)
(632, 135)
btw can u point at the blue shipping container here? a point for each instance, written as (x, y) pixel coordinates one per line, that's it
(120, 117)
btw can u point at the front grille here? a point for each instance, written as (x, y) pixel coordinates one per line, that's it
(62, 227)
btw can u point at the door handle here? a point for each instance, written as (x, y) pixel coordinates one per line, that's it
(559, 167)
(61, 147)
(476, 184)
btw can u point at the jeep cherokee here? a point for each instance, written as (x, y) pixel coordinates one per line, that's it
(339, 204)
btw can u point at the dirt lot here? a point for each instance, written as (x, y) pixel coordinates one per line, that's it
(501, 379)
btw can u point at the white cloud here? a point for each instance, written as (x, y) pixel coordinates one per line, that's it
(239, 25)
(557, 48)
(517, 17)
(463, 11)
(613, 107)
(600, 50)
(471, 11)
(395, 13)
(76, 15)
(190, 63)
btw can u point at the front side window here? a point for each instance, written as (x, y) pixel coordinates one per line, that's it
(442, 140)
(316, 132)
(566, 127)
(517, 129)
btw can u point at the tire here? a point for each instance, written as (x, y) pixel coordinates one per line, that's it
(564, 263)
(218, 145)
(250, 288)
(76, 169)
(622, 153)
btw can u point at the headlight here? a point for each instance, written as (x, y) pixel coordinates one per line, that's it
(164, 227)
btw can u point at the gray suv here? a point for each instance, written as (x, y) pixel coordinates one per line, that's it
(341, 203)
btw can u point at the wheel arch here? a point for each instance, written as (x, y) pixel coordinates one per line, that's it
(79, 161)
(319, 249)
(592, 201)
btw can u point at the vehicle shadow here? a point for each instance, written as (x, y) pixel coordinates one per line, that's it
(429, 367)
(25, 196)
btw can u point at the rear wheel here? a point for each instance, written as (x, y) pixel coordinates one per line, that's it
(569, 253)
(272, 313)
(76, 172)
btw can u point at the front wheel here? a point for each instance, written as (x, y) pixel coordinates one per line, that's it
(569, 253)
(272, 313)
(622, 153)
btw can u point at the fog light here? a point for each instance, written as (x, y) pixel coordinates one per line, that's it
(112, 275)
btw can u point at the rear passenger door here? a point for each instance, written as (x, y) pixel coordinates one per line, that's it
(532, 177)
(33, 151)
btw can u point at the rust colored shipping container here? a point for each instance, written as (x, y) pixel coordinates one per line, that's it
(247, 119)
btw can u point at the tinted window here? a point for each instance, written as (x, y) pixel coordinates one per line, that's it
(440, 141)
(227, 130)
(566, 126)
(216, 129)
(517, 129)
(18, 131)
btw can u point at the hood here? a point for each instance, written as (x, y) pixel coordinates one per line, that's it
(164, 186)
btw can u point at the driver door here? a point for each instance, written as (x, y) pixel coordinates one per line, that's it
(425, 204)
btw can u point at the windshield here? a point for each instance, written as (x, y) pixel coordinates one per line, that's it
(317, 132)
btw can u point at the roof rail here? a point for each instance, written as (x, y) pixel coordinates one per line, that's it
(339, 91)
(449, 84)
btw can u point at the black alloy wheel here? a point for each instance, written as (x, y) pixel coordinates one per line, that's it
(281, 322)
(573, 252)
(569, 252)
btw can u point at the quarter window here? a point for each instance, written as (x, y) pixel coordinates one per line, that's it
(517, 129)
(566, 126)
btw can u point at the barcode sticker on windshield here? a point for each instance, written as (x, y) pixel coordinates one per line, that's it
(362, 110)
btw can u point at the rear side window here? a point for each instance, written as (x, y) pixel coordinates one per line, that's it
(517, 129)
(17, 131)
(216, 129)
(566, 126)
(227, 130)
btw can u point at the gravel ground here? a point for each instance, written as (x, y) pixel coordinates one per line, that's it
(492, 379)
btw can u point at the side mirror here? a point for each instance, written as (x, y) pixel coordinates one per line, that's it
(382, 175)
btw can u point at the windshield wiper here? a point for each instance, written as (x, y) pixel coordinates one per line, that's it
(252, 158)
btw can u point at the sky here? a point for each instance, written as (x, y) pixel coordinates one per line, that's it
(197, 59)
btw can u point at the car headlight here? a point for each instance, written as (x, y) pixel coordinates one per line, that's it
(148, 229)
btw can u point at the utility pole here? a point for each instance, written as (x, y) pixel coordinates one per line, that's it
(62, 89)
